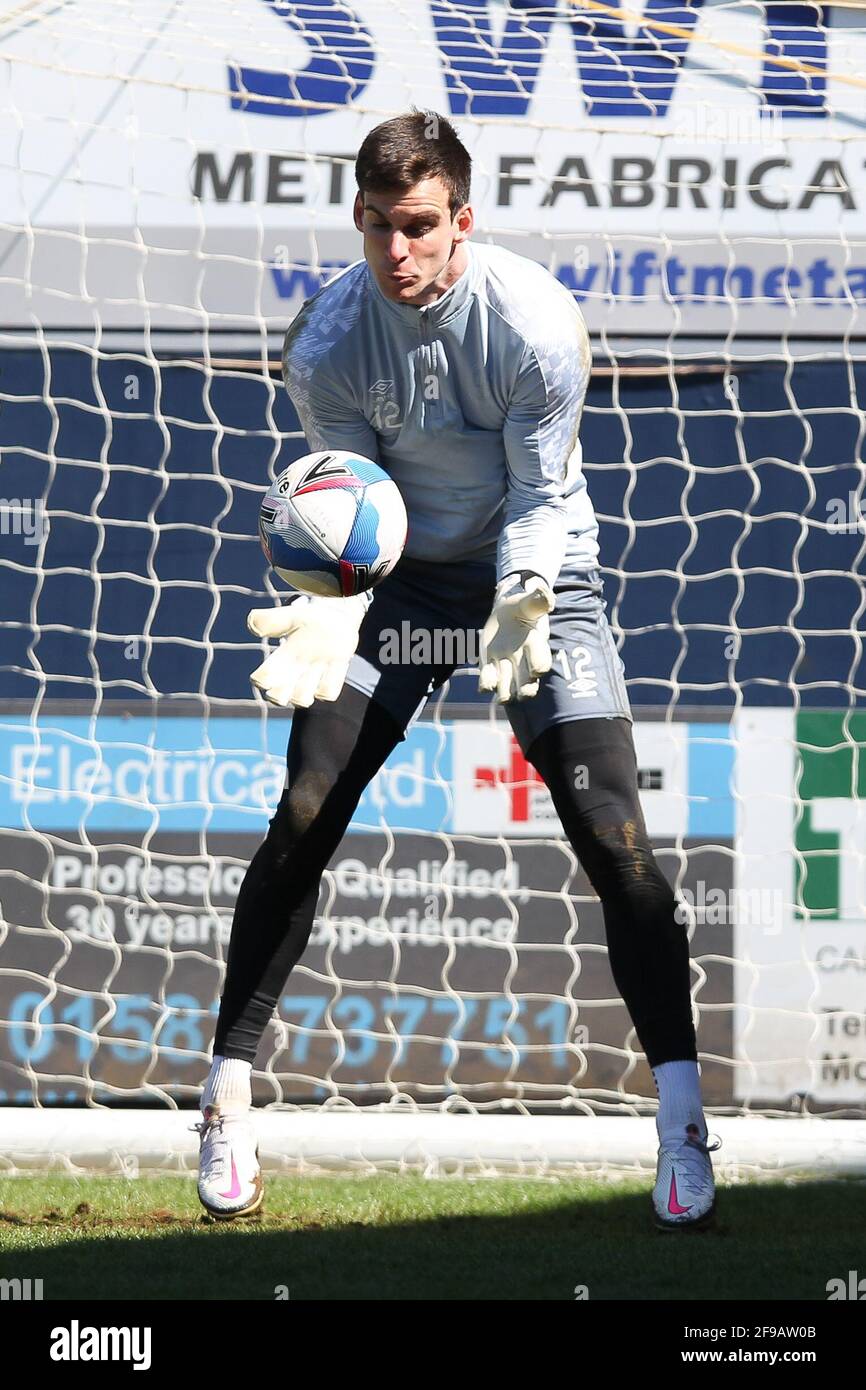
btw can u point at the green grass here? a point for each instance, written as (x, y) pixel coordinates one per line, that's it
(394, 1237)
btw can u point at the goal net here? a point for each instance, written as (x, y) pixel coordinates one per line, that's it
(175, 178)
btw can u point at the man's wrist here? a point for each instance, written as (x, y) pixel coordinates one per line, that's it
(523, 582)
(518, 579)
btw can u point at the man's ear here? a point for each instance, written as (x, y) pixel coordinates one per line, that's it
(358, 212)
(465, 223)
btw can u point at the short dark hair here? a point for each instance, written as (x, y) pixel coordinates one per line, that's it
(417, 145)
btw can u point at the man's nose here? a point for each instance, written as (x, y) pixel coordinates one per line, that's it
(398, 247)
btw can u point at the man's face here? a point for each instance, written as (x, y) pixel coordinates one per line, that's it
(412, 244)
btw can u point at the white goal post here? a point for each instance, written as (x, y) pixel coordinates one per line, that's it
(175, 178)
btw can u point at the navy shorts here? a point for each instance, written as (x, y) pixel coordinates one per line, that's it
(424, 623)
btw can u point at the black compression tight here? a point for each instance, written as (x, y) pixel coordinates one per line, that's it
(647, 946)
(334, 751)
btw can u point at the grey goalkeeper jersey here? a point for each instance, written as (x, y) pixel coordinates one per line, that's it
(471, 404)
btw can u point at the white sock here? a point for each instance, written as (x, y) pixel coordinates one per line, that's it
(679, 1088)
(229, 1085)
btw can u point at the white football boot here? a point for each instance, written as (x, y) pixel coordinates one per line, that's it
(229, 1176)
(685, 1192)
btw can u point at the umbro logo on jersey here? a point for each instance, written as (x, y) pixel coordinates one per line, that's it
(384, 411)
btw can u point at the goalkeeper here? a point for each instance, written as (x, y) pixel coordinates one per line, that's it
(462, 368)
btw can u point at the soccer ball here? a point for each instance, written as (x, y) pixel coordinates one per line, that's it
(333, 524)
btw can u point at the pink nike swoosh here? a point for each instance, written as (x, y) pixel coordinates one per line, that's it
(235, 1189)
(673, 1205)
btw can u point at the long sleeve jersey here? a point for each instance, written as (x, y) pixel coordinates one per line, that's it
(471, 404)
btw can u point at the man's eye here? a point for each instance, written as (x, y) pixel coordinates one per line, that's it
(412, 232)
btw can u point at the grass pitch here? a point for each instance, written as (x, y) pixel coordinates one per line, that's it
(397, 1237)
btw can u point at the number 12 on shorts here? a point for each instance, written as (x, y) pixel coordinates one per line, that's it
(577, 670)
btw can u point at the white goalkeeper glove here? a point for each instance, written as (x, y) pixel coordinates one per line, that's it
(515, 642)
(319, 638)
